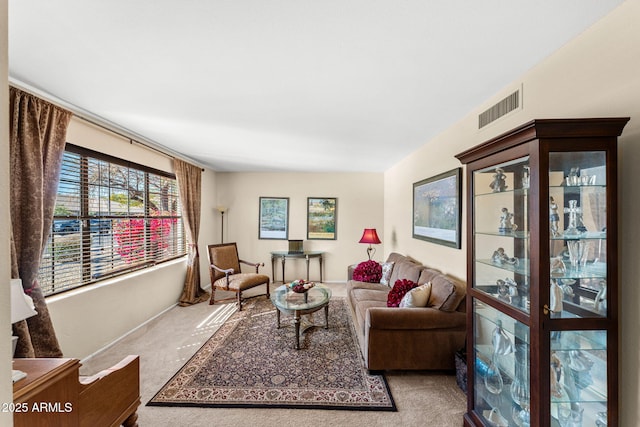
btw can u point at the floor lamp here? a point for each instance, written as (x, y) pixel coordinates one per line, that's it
(222, 210)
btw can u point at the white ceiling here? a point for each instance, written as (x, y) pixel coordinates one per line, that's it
(259, 85)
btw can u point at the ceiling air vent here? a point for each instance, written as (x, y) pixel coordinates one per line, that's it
(508, 104)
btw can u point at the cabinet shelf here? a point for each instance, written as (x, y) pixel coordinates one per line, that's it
(515, 192)
(589, 235)
(597, 270)
(577, 188)
(522, 266)
(512, 234)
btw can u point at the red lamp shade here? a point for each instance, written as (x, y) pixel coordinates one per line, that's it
(370, 236)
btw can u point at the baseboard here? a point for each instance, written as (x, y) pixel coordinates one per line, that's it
(114, 342)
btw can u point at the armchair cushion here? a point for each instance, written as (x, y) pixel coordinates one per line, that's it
(241, 282)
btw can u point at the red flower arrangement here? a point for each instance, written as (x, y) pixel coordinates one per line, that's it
(399, 290)
(368, 271)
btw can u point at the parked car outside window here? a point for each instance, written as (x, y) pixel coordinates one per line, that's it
(69, 226)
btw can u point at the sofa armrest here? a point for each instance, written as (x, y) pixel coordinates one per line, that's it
(350, 270)
(392, 318)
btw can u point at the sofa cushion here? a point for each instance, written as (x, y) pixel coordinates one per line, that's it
(405, 269)
(446, 293)
(354, 284)
(417, 297)
(396, 257)
(363, 294)
(428, 274)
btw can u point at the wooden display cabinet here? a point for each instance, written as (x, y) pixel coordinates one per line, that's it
(542, 275)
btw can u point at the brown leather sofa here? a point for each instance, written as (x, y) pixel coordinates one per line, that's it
(423, 338)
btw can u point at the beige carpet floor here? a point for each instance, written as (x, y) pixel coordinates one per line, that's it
(166, 343)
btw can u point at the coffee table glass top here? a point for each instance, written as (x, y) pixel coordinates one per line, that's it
(287, 300)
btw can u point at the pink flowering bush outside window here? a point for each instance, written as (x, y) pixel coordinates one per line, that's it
(130, 238)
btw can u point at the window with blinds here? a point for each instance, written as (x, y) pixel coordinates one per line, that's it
(111, 217)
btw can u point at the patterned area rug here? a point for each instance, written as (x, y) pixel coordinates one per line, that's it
(248, 362)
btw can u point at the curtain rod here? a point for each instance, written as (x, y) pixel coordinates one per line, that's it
(103, 123)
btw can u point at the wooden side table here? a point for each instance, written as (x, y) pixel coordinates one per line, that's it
(284, 255)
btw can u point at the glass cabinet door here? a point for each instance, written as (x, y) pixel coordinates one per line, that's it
(578, 378)
(501, 218)
(502, 387)
(578, 286)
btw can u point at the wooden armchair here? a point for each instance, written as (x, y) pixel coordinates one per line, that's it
(224, 268)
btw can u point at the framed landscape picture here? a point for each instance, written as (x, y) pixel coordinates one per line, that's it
(437, 209)
(321, 218)
(274, 218)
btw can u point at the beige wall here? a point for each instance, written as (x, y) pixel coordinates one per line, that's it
(595, 75)
(6, 390)
(359, 206)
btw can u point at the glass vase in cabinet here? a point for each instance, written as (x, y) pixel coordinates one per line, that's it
(542, 275)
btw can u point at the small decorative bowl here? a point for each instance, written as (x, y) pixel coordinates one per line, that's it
(300, 286)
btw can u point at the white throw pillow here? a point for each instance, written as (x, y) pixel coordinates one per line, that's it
(417, 297)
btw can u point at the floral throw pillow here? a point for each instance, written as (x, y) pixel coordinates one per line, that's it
(400, 288)
(387, 268)
(368, 271)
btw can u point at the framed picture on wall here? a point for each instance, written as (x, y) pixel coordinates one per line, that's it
(321, 218)
(274, 218)
(437, 209)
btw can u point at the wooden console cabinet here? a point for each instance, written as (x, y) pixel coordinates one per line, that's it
(49, 395)
(53, 394)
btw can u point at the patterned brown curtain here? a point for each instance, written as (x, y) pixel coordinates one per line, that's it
(190, 186)
(38, 131)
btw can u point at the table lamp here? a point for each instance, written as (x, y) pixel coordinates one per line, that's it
(21, 308)
(370, 236)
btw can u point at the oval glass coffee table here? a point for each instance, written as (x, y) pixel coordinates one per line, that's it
(289, 302)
